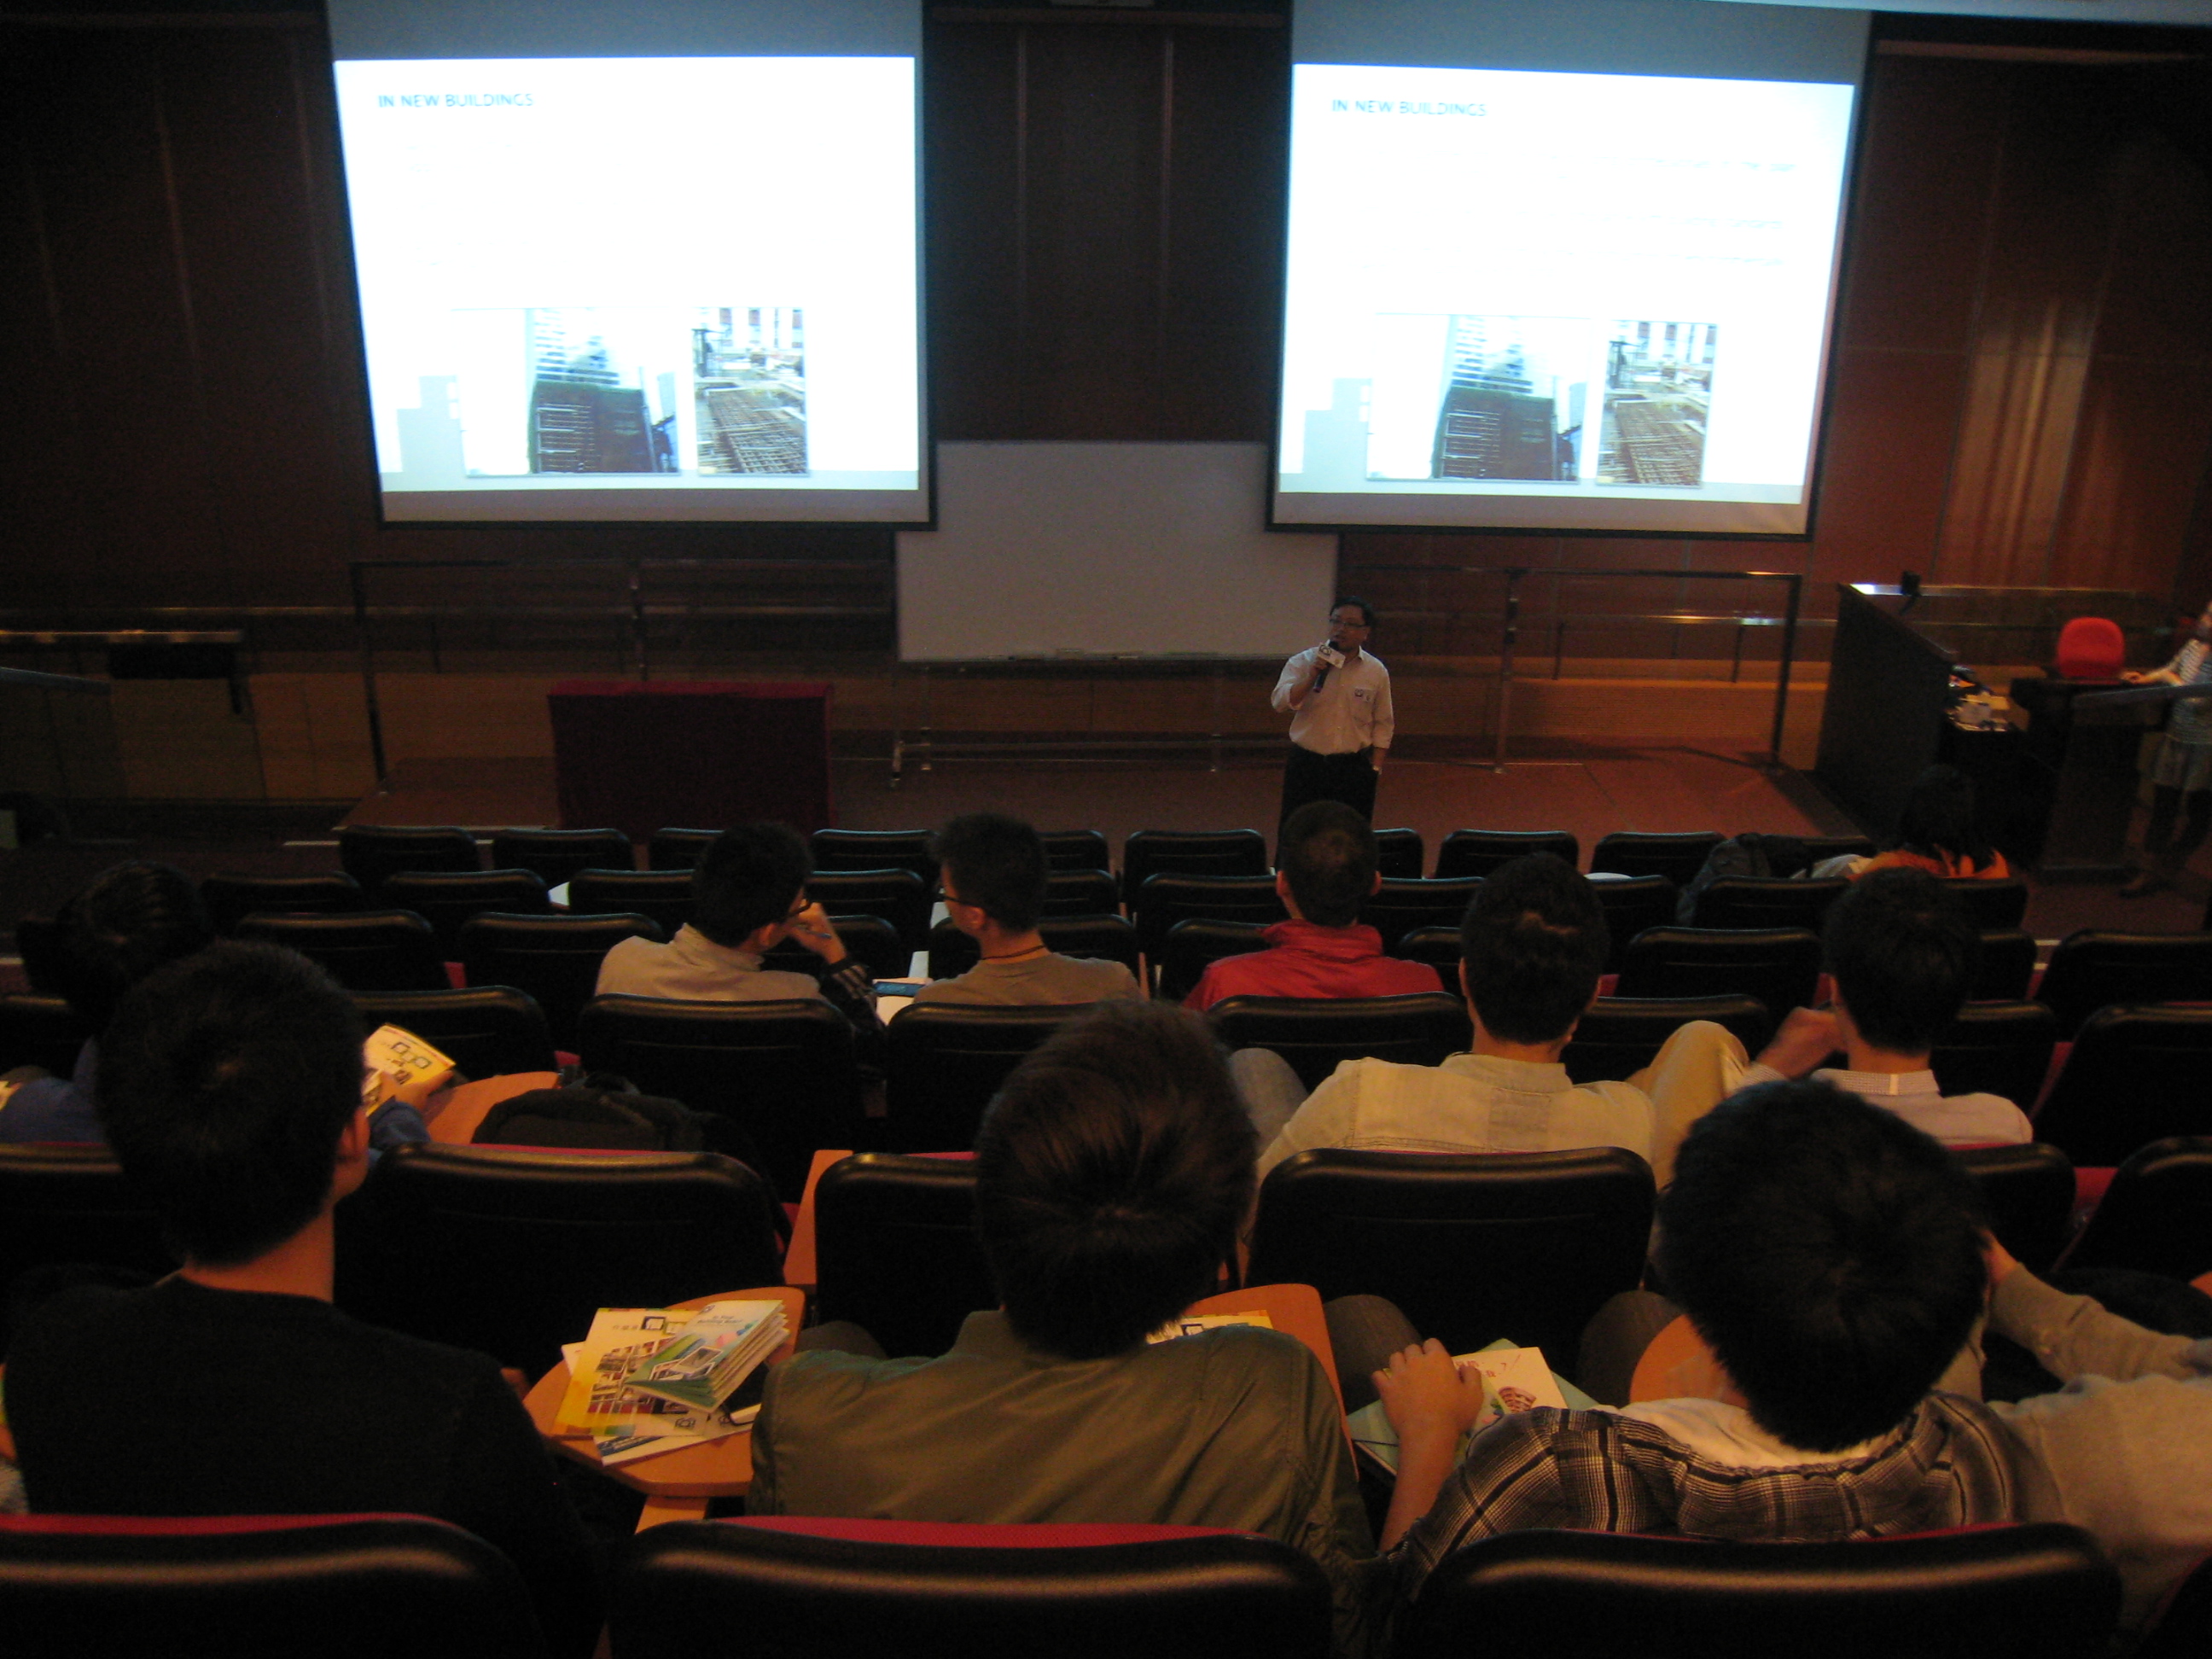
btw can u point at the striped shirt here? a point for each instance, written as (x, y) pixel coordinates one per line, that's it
(2192, 718)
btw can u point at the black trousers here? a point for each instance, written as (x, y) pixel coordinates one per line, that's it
(1309, 777)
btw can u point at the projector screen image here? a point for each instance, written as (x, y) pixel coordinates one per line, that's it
(1534, 299)
(632, 287)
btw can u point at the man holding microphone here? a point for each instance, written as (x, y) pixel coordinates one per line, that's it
(1337, 696)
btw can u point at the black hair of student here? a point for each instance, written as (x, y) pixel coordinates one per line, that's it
(1112, 1173)
(998, 863)
(1938, 817)
(1905, 951)
(1366, 609)
(1532, 944)
(1829, 1253)
(1327, 853)
(225, 1081)
(748, 878)
(128, 920)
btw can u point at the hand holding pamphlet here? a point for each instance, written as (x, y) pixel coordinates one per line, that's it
(1513, 1380)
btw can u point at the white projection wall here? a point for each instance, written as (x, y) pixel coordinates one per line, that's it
(1050, 549)
(1530, 297)
(675, 285)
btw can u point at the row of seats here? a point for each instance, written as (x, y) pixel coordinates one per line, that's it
(808, 1588)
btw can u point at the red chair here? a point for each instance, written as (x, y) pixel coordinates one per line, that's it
(803, 1588)
(259, 1587)
(2033, 1592)
(2091, 648)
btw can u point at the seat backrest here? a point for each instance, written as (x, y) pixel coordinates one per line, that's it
(2156, 1216)
(487, 1030)
(1478, 851)
(783, 1072)
(1640, 853)
(899, 897)
(943, 1061)
(448, 898)
(556, 958)
(1194, 946)
(510, 1250)
(40, 1030)
(1161, 900)
(677, 849)
(1081, 893)
(2095, 969)
(2029, 1190)
(1997, 1048)
(874, 849)
(1471, 1247)
(871, 939)
(2091, 648)
(1780, 966)
(69, 1203)
(364, 950)
(2034, 1592)
(1191, 853)
(895, 1249)
(1076, 849)
(1396, 907)
(807, 1588)
(371, 852)
(38, 942)
(1818, 849)
(1399, 854)
(260, 1587)
(2008, 967)
(1630, 906)
(231, 899)
(553, 855)
(1315, 1034)
(1767, 901)
(1105, 936)
(1619, 1036)
(1998, 904)
(663, 894)
(1438, 946)
(2134, 1075)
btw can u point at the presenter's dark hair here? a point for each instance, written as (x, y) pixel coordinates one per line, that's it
(1366, 609)
(1327, 854)
(1532, 945)
(1111, 1174)
(225, 1080)
(1938, 817)
(1829, 1253)
(998, 863)
(128, 920)
(1904, 951)
(747, 879)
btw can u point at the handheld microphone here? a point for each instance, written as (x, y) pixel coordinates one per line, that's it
(1321, 676)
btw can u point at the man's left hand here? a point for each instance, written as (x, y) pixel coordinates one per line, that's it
(812, 929)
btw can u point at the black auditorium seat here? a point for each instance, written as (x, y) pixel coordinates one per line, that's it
(1194, 946)
(677, 849)
(1191, 853)
(40, 1030)
(556, 855)
(1478, 851)
(1631, 905)
(1619, 1037)
(554, 959)
(895, 1250)
(2156, 1215)
(1993, 904)
(1162, 900)
(2096, 968)
(1076, 849)
(899, 897)
(1767, 901)
(1316, 1034)
(488, 1030)
(2029, 1190)
(364, 950)
(874, 849)
(1997, 1048)
(231, 899)
(1780, 966)
(1638, 853)
(1397, 908)
(370, 852)
(1081, 893)
(69, 1203)
(2136, 1074)
(943, 1061)
(448, 898)
(665, 895)
(2008, 967)
(871, 939)
(1103, 937)
(1399, 854)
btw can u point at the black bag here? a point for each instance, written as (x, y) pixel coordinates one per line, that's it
(1750, 854)
(588, 1114)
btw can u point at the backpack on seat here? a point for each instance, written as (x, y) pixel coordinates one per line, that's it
(590, 1115)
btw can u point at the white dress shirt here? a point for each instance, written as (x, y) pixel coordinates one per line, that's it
(1350, 712)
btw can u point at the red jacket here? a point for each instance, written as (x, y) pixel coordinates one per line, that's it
(1309, 960)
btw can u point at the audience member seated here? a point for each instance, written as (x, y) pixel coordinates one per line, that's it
(748, 895)
(2128, 1443)
(995, 874)
(128, 920)
(229, 1088)
(1531, 949)
(1935, 832)
(1112, 1173)
(1901, 952)
(1830, 1257)
(1327, 870)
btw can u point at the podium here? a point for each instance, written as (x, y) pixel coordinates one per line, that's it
(642, 756)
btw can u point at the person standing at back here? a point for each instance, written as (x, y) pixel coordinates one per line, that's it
(1338, 698)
